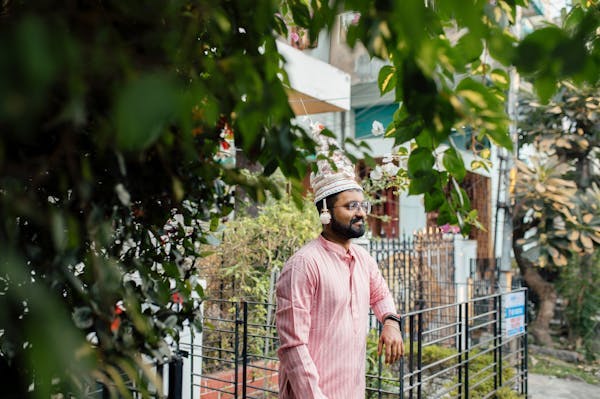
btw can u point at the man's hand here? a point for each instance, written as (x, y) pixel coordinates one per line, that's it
(391, 339)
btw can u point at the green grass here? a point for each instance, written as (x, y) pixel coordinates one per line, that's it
(551, 366)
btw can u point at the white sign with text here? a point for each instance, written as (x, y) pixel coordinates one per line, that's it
(513, 313)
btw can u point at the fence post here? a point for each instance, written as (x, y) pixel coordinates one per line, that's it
(411, 366)
(401, 393)
(497, 328)
(524, 365)
(236, 351)
(192, 334)
(175, 378)
(419, 348)
(244, 348)
(379, 363)
(466, 337)
(500, 341)
(460, 348)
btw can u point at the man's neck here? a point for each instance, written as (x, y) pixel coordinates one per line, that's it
(331, 236)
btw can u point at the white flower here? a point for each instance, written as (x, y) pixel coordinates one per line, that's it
(376, 173)
(377, 128)
(390, 169)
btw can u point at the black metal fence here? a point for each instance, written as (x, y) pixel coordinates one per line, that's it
(238, 351)
(458, 350)
(454, 348)
(419, 269)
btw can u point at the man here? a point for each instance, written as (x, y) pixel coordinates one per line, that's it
(324, 294)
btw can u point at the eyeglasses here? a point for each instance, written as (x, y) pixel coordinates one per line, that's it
(354, 206)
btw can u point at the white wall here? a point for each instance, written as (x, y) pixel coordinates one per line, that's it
(412, 214)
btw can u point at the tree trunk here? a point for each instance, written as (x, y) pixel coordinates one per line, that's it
(540, 327)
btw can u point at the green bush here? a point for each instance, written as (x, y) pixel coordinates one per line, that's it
(253, 247)
(507, 393)
(241, 268)
(477, 390)
(477, 362)
(578, 286)
(433, 353)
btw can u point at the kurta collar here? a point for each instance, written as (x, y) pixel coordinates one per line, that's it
(335, 247)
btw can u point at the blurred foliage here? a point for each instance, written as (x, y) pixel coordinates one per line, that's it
(448, 70)
(556, 213)
(579, 286)
(113, 115)
(481, 377)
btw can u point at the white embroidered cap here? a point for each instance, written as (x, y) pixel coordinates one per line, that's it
(327, 180)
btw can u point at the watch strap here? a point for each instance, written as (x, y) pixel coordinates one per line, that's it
(392, 316)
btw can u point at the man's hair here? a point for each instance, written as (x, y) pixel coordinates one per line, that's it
(329, 200)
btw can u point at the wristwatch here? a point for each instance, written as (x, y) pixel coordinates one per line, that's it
(392, 316)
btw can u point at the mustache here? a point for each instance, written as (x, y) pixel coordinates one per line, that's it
(357, 219)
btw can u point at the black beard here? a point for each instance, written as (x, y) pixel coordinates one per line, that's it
(348, 231)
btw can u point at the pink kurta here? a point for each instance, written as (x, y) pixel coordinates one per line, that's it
(323, 299)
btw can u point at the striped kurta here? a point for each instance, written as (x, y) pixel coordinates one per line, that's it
(323, 299)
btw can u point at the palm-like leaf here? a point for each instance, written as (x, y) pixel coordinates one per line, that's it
(546, 202)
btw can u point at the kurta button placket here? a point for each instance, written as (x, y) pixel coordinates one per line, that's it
(353, 298)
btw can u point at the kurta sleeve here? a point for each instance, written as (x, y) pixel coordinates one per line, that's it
(295, 290)
(381, 299)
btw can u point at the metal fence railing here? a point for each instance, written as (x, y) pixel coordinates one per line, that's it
(419, 269)
(458, 350)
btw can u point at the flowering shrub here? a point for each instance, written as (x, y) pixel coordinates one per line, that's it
(391, 173)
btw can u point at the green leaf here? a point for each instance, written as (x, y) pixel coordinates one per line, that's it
(423, 183)
(300, 14)
(470, 47)
(454, 164)
(214, 222)
(280, 26)
(500, 78)
(420, 162)
(501, 137)
(171, 269)
(433, 200)
(143, 110)
(501, 46)
(387, 79)
(406, 130)
(476, 164)
(545, 87)
(446, 215)
(534, 53)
